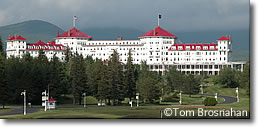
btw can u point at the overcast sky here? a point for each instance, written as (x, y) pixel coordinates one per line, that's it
(179, 15)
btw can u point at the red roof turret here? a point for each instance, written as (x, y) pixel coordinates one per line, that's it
(40, 43)
(51, 99)
(74, 33)
(158, 31)
(224, 38)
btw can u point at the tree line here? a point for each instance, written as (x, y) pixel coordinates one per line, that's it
(109, 81)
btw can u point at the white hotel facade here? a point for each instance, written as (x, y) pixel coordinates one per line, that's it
(157, 47)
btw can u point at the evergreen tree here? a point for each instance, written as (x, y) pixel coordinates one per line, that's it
(78, 77)
(1, 46)
(191, 84)
(244, 78)
(103, 84)
(227, 77)
(93, 75)
(68, 55)
(148, 84)
(4, 88)
(130, 82)
(116, 78)
(55, 77)
(175, 79)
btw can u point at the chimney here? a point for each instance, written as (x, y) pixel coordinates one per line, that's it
(227, 36)
(9, 37)
(15, 36)
(119, 38)
(69, 33)
(57, 32)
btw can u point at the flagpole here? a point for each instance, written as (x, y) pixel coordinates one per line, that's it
(158, 19)
(73, 22)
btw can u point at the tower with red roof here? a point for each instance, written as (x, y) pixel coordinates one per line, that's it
(225, 48)
(16, 46)
(158, 41)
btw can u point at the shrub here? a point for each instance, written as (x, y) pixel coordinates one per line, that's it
(210, 101)
(90, 100)
(173, 98)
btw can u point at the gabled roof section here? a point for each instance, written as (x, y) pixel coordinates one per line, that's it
(224, 38)
(158, 31)
(74, 33)
(40, 43)
(17, 38)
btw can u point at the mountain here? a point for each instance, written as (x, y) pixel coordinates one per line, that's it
(32, 30)
(240, 38)
(35, 30)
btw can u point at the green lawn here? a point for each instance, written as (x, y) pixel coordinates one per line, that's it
(5, 110)
(107, 112)
(111, 112)
(244, 97)
(147, 111)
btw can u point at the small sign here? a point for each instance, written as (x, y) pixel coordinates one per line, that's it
(137, 97)
(43, 103)
(44, 98)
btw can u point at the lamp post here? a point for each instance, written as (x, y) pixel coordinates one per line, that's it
(237, 94)
(45, 93)
(201, 89)
(24, 94)
(84, 100)
(137, 98)
(216, 96)
(180, 97)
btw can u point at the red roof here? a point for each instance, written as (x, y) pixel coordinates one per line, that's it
(193, 46)
(51, 99)
(158, 32)
(17, 38)
(224, 38)
(74, 33)
(49, 46)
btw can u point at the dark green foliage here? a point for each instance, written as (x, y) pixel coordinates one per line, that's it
(148, 84)
(227, 77)
(244, 78)
(4, 88)
(1, 46)
(78, 75)
(129, 80)
(175, 79)
(104, 86)
(191, 84)
(115, 75)
(210, 101)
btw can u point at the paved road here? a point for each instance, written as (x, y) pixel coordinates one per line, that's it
(19, 110)
(227, 99)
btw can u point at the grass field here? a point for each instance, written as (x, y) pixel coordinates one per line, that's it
(111, 112)
(5, 110)
(144, 111)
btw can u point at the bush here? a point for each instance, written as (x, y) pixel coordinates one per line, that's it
(210, 101)
(90, 100)
(173, 98)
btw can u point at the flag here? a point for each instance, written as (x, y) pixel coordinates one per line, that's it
(159, 16)
(75, 17)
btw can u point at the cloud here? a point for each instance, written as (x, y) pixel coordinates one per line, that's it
(180, 15)
(2, 16)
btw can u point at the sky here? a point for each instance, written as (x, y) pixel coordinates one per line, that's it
(178, 15)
